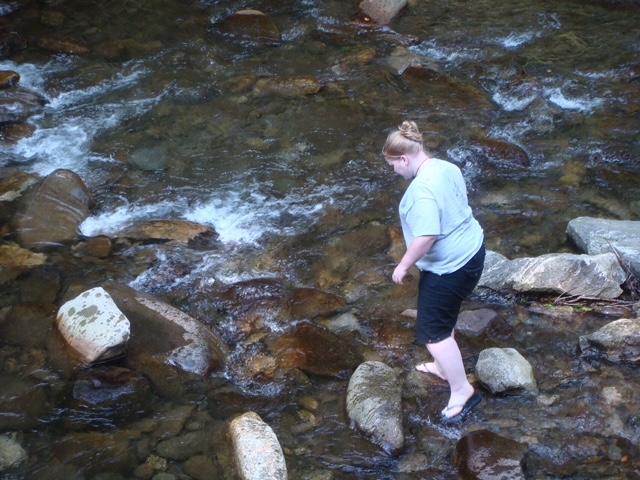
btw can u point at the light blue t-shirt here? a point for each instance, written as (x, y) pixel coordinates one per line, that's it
(435, 204)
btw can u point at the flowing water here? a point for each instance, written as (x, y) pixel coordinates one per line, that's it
(159, 126)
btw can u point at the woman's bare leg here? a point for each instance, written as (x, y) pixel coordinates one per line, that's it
(448, 358)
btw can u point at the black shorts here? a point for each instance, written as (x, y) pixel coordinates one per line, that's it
(440, 298)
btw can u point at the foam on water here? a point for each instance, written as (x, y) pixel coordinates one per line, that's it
(77, 117)
(239, 217)
(582, 104)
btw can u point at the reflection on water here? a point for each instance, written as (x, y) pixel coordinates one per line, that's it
(161, 122)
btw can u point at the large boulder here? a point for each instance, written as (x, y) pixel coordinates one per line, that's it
(257, 454)
(167, 334)
(592, 276)
(53, 213)
(617, 341)
(374, 403)
(597, 235)
(505, 370)
(93, 326)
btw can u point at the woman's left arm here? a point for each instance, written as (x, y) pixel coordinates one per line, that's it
(419, 247)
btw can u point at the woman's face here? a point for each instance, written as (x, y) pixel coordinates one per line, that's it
(400, 166)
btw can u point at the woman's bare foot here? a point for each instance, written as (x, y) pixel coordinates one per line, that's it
(430, 368)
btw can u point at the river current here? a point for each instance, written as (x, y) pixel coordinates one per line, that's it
(162, 129)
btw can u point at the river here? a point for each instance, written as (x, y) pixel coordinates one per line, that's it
(536, 101)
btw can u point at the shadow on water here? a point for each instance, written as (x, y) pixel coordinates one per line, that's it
(536, 102)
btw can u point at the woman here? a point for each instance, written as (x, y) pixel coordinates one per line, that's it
(446, 243)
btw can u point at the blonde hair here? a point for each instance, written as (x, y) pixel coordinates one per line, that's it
(406, 140)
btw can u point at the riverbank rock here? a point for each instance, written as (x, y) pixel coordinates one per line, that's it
(316, 350)
(483, 454)
(592, 276)
(505, 370)
(380, 12)
(257, 454)
(52, 214)
(93, 326)
(597, 235)
(374, 403)
(11, 453)
(617, 341)
(249, 25)
(15, 260)
(17, 104)
(168, 334)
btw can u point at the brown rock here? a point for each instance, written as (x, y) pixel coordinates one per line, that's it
(18, 104)
(8, 78)
(54, 212)
(66, 45)
(287, 87)
(97, 452)
(14, 132)
(484, 454)
(168, 334)
(310, 303)
(499, 152)
(15, 260)
(250, 25)
(313, 349)
(178, 230)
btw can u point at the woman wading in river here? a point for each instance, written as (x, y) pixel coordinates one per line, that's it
(446, 243)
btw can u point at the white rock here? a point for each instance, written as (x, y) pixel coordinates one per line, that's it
(11, 453)
(93, 325)
(504, 370)
(256, 450)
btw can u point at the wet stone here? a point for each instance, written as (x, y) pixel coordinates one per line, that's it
(313, 349)
(475, 322)
(8, 78)
(106, 398)
(22, 404)
(17, 104)
(201, 467)
(249, 25)
(66, 45)
(485, 455)
(184, 446)
(307, 303)
(287, 87)
(53, 213)
(499, 152)
(13, 183)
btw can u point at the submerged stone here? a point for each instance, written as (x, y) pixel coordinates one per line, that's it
(485, 455)
(106, 398)
(249, 25)
(313, 349)
(306, 303)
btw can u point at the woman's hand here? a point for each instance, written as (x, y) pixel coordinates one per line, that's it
(399, 273)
